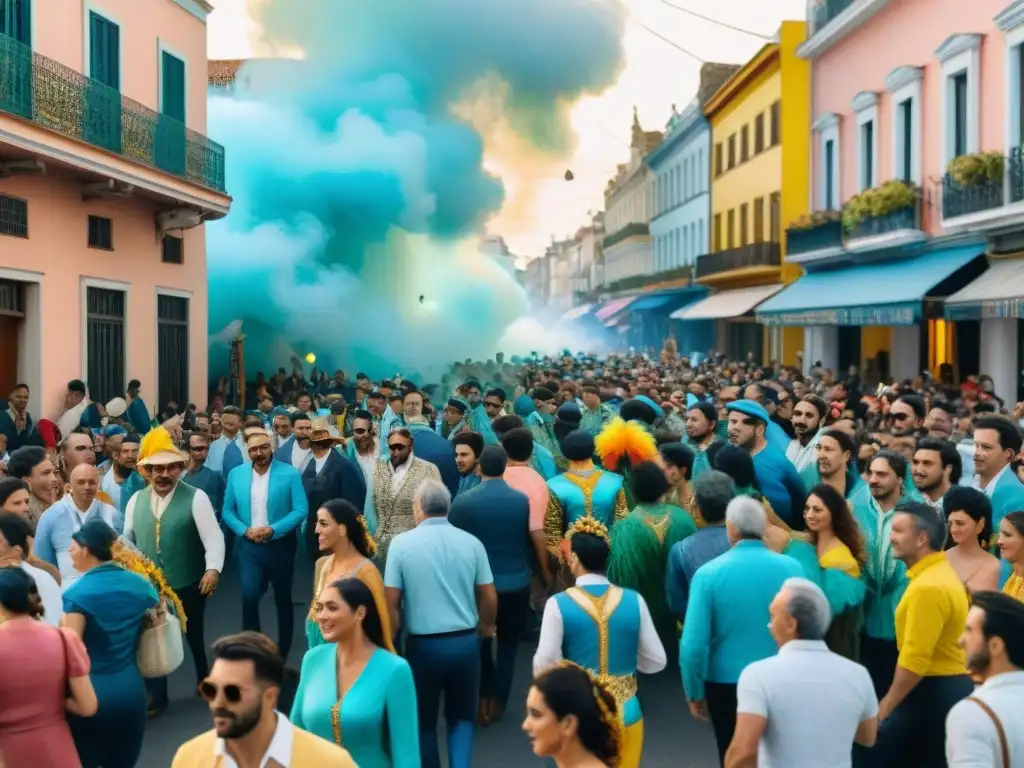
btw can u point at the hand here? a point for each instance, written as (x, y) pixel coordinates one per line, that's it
(885, 709)
(699, 710)
(487, 631)
(775, 538)
(265, 533)
(208, 584)
(253, 534)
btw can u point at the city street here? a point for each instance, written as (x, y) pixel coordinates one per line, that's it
(672, 738)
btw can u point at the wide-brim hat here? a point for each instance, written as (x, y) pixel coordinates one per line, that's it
(321, 431)
(158, 449)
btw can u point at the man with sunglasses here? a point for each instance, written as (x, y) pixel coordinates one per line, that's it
(200, 476)
(243, 691)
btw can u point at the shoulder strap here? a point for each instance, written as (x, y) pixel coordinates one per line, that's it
(1004, 746)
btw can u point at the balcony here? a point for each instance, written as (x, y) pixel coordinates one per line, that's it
(640, 281)
(60, 99)
(818, 238)
(636, 229)
(755, 255)
(963, 200)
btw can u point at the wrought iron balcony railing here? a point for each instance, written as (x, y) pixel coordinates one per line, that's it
(828, 234)
(960, 200)
(753, 255)
(826, 10)
(630, 230)
(1015, 169)
(894, 221)
(59, 98)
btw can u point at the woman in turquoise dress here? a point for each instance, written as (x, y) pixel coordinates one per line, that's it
(832, 556)
(108, 607)
(352, 691)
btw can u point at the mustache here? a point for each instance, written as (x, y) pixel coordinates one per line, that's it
(225, 713)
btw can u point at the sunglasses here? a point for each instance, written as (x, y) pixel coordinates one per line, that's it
(397, 447)
(359, 431)
(210, 692)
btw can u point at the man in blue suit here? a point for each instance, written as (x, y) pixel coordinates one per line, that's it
(499, 516)
(264, 505)
(997, 441)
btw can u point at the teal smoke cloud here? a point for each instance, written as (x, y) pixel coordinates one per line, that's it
(356, 188)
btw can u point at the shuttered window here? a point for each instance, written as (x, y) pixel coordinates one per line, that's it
(104, 51)
(173, 79)
(172, 349)
(105, 311)
(13, 215)
(16, 20)
(101, 233)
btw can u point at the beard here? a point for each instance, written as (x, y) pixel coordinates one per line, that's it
(122, 471)
(241, 723)
(979, 661)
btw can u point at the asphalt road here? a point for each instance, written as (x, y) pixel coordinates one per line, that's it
(672, 738)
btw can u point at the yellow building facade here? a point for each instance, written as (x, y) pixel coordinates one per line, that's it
(760, 181)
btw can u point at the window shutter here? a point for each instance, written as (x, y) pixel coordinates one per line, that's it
(104, 59)
(113, 56)
(16, 20)
(174, 87)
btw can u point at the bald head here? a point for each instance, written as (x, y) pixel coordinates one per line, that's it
(85, 481)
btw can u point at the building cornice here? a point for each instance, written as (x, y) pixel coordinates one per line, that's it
(821, 40)
(864, 100)
(695, 125)
(825, 122)
(901, 77)
(768, 55)
(198, 8)
(957, 44)
(1011, 17)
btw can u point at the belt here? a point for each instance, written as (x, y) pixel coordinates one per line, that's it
(621, 687)
(445, 635)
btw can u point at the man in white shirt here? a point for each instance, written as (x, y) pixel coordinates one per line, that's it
(15, 545)
(986, 730)
(807, 706)
(174, 525)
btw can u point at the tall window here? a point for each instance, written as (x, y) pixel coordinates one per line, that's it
(104, 51)
(718, 232)
(105, 342)
(758, 219)
(744, 233)
(960, 114)
(867, 159)
(776, 217)
(730, 229)
(905, 120)
(776, 123)
(718, 159)
(745, 144)
(732, 152)
(16, 20)
(1020, 95)
(759, 133)
(172, 348)
(830, 165)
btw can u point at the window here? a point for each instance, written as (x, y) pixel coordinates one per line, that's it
(105, 360)
(172, 250)
(718, 159)
(1018, 95)
(718, 232)
(101, 233)
(905, 137)
(172, 348)
(700, 236)
(732, 152)
(16, 20)
(776, 124)
(826, 166)
(776, 217)
(13, 216)
(904, 85)
(745, 144)
(959, 114)
(170, 138)
(104, 51)
(759, 134)
(172, 91)
(830, 164)
(867, 143)
(865, 105)
(744, 234)
(758, 219)
(730, 229)
(960, 56)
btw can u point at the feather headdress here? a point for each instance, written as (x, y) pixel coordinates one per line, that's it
(589, 525)
(624, 443)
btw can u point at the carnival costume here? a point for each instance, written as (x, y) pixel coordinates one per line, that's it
(622, 445)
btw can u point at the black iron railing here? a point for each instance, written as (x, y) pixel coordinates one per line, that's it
(962, 200)
(828, 234)
(753, 255)
(894, 221)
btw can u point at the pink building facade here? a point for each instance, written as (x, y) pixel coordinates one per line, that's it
(900, 88)
(106, 180)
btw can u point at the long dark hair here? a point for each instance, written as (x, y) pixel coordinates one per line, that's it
(356, 594)
(18, 593)
(569, 690)
(843, 523)
(344, 513)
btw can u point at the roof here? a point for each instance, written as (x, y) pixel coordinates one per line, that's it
(768, 55)
(221, 72)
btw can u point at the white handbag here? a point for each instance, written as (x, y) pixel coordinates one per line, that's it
(161, 650)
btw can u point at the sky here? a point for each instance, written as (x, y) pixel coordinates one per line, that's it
(540, 204)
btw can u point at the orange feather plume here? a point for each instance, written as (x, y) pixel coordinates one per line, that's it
(621, 441)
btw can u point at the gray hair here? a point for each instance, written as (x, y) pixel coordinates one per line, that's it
(808, 606)
(712, 491)
(747, 517)
(925, 518)
(434, 498)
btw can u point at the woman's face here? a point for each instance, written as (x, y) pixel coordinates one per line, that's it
(963, 528)
(328, 531)
(17, 502)
(334, 616)
(79, 556)
(547, 733)
(817, 515)
(1011, 543)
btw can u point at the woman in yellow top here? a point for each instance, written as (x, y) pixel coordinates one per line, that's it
(832, 556)
(345, 540)
(1011, 546)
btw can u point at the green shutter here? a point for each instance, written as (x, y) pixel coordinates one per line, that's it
(104, 51)
(173, 97)
(16, 20)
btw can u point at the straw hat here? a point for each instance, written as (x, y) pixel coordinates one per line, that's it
(158, 449)
(322, 431)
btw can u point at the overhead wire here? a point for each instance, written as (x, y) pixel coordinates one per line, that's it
(710, 20)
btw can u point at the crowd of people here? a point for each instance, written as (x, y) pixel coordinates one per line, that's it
(836, 572)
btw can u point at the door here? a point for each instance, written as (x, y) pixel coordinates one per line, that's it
(170, 150)
(9, 327)
(16, 55)
(103, 91)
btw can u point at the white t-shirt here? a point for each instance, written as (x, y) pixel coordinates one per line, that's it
(827, 695)
(49, 592)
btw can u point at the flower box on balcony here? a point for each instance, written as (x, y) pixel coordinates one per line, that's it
(820, 231)
(972, 184)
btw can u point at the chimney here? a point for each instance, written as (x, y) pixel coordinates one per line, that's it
(712, 77)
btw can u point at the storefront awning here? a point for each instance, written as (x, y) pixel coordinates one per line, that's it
(726, 304)
(667, 300)
(882, 293)
(576, 313)
(999, 292)
(612, 307)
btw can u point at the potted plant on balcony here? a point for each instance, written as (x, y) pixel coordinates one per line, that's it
(815, 231)
(814, 220)
(879, 202)
(977, 169)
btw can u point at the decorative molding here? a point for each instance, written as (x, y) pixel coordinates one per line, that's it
(825, 122)
(957, 44)
(821, 40)
(901, 77)
(1011, 17)
(198, 8)
(864, 100)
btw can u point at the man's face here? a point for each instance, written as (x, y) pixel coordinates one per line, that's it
(782, 626)
(742, 430)
(266, 405)
(282, 427)
(697, 424)
(452, 416)
(19, 399)
(203, 424)
(376, 406)
(302, 429)
(412, 405)
(231, 422)
(363, 384)
(831, 457)
(493, 405)
(43, 482)
(127, 455)
(84, 484)
(198, 449)
(473, 395)
(904, 445)
(927, 469)
(465, 459)
(111, 446)
(165, 476)
(805, 419)
(902, 416)
(545, 406)
(989, 456)
(904, 537)
(939, 424)
(304, 403)
(399, 448)
(362, 431)
(259, 451)
(71, 399)
(975, 644)
(237, 701)
(78, 449)
(882, 481)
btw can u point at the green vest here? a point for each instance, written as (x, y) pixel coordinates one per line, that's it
(180, 554)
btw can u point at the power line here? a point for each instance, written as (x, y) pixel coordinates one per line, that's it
(715, 21)
(673, 43)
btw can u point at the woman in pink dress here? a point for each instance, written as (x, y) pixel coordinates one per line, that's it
(46, 673)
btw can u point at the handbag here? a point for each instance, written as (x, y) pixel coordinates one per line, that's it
(161, 650)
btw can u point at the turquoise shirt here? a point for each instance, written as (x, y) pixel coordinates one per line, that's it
(543, 462)
(726, 625)
(1006, 497)
(578, 493)
(438, 568)
(884, 576)
(594, 421)
(383, 694)
(701, 463)
(581, 639)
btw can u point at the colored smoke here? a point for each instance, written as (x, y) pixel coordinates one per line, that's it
(359, 185)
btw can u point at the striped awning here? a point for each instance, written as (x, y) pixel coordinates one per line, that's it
(612, 307)
(576, 313)
(726, 304)
(998, 293)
